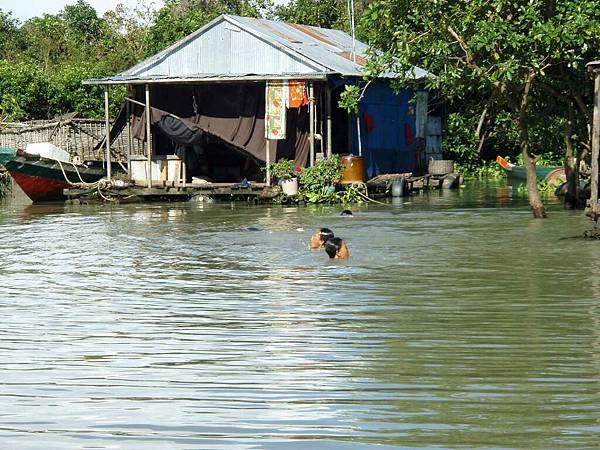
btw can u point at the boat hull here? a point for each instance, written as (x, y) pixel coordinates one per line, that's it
(43, 179)
(519, 173)
(542, 172)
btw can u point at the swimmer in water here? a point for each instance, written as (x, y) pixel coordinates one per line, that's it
(336, 248)
(318, 239)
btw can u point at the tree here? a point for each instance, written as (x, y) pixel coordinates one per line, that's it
(325, 13)
(10, 40)
(505, 51)
(122, 43)
(178, 18)
(84, 27)
(45, 40)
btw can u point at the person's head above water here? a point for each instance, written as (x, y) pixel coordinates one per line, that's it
(336, 248)
(318, 239)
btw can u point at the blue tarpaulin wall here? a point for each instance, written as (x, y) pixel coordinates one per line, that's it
(387, 123)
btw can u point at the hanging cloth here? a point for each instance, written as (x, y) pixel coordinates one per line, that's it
(275, 118)
(298, 96)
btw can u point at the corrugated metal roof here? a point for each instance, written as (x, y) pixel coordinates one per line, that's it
(236, 48)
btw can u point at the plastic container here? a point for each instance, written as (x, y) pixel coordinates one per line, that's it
(289, 187)
(353, 169)
(399, 187)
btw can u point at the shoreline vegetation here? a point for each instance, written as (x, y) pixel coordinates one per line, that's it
(321, 183)
(512, 74)
(5, 184)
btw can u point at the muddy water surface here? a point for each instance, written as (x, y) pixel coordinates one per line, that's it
(458, 321)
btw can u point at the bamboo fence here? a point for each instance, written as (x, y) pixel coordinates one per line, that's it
(79, 137)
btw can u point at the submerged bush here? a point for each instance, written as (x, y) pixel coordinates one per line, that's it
(4, 184)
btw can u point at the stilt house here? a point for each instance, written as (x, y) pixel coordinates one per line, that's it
(242, 92)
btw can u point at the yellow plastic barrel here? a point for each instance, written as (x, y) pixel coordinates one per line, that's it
(353, 169)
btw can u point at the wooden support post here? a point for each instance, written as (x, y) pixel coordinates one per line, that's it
(268, 158)
(358, 133)
(129, 137)
(329, 109)
(595, 208)
(107, 136)
(311, 109)
(148, 137)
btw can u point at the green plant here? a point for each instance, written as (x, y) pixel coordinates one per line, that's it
(332, 194)
(485, 170)
(4, 184)
(284, 169)
(326, 172)
(324, 194)
(349, 98)
(321, 183)
(545, 186)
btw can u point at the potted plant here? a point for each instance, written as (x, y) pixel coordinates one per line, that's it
(286, 171)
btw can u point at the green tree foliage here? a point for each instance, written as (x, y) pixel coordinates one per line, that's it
(178, 18)
(10, 38)
(56, 53)
(27, 91)
(84, 27)
(325, 13)
(504, 56)
(122, 44)
(23, 91)
(45, 40)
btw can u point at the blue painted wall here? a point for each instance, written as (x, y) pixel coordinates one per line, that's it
(385, 148)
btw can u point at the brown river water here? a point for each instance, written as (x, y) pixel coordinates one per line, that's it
(457, 322)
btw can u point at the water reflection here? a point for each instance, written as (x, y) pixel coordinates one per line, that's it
(454, 322)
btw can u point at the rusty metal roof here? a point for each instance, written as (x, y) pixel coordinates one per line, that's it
(234, 48)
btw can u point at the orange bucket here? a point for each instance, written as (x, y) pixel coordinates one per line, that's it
(353, 169)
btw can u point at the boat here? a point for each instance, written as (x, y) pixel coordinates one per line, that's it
(519, 173)
(44, 179)
(6, 154)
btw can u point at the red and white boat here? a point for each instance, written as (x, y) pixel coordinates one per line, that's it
(44, 173)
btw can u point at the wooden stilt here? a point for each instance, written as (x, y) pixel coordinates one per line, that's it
(311, 109)
(107, 136)
(329, 109)
(129, 137)
(148, 137)
(268, 158)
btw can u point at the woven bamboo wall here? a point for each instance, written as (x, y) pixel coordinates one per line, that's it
(76, 136)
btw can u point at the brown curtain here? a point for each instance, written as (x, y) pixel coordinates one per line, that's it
(232, 112)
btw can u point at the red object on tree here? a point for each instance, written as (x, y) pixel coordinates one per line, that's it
(369, 122)
(408, 134)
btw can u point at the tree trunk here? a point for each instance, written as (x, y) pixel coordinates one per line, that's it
(535, 201)
(572, 193)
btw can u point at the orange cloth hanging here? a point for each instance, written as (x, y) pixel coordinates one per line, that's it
(298, 97)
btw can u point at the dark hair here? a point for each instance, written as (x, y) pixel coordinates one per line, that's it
(332, 246)
(346, 212)
(325, 234)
